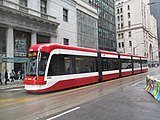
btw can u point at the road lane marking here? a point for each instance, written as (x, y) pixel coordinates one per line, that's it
(17, 89)
(59, 115)
(136, 83)
(21, 100)
(5, 100)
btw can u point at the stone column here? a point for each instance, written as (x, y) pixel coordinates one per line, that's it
(33, 38)
(10, 48)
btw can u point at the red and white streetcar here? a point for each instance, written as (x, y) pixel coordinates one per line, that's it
(53, 67)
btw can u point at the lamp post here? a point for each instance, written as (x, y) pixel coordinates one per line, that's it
(134, 48)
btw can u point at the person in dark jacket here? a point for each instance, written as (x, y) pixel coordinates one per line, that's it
(6, 77)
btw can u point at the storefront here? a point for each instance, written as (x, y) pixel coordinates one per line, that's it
(19, 63)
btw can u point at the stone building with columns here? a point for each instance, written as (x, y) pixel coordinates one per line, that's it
(24, 23)
(137, 29)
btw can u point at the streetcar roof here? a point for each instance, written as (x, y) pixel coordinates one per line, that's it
(48, 47)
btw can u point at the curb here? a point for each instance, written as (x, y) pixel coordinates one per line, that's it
(16, 84)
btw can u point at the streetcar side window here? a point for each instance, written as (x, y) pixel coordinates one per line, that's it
(110, 64)
(56, 66)
(126, 64)
(144, 63)
(85, 64)
(136, 63)
(68, 64)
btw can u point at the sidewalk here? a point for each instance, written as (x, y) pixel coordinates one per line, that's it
(15, 84)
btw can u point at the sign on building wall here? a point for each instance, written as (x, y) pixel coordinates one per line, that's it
(20, 47)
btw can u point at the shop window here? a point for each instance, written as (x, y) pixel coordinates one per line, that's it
(2, 41)
(22, 42)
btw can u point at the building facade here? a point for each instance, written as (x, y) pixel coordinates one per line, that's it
(155, 11)
(106, 24)
(24, 23)
(136, 29)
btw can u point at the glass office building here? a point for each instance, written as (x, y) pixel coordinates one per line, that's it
(106, 24)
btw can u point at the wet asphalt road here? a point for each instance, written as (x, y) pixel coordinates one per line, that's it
(119, 99)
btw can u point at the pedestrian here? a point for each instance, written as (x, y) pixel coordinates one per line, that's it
(22, 73)
(12, 75)
(19, 75)
(1, 79)
(6, 77)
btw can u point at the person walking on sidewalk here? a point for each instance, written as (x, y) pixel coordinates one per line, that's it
(6, 77)
(12, 76)
(1, 79)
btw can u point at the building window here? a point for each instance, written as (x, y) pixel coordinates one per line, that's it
(122, 35)
(121, 10)
(87, 32)
(23, 5)
(121, 25)
(122, 44)
(129, 34)
(43, 6)
(118, 18)
(65, 15)
(121, 17)
(129, 15)
(128, 7)
(66, 41)
(118, 26)
(119, 45)
(42, 39)
(119, 36)
(130, 43)
(129, 23)
(117, 11)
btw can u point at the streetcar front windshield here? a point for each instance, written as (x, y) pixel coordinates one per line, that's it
(32, 64)
(37, 68)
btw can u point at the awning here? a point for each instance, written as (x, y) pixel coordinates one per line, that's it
(13, 60)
